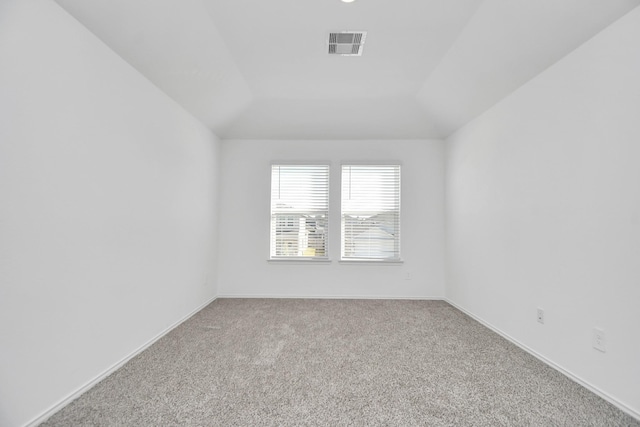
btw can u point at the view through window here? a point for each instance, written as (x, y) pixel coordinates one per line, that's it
(370, 212)
(299, 211)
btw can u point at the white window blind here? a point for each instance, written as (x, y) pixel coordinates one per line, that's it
(299, 211)
(370, 212)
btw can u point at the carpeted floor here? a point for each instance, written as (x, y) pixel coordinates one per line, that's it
(270, 362)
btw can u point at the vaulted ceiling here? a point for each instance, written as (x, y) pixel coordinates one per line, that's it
(260, 68)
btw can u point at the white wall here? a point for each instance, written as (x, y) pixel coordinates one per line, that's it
(543, 210)
(107, 209)
(244, 214)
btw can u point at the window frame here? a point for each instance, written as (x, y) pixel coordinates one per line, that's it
(397, 259)
(300, 258)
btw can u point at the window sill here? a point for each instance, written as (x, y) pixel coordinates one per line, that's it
(299, 261)
(372, 261)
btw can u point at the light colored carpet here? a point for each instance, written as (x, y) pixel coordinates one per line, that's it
(270, 362)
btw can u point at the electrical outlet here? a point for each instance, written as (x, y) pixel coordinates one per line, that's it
(407, 276)
(540, 316)
(599, 340)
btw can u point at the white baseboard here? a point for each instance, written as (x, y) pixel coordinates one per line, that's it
(74, 395)
(289, 296)
(615, 402)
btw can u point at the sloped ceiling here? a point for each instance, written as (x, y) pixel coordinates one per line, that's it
(260, 69)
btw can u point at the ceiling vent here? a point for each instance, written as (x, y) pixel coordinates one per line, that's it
(347, 43)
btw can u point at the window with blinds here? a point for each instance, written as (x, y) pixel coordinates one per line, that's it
(299, 211)
(371, 212)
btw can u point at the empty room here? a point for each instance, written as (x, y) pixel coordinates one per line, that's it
(319, 212)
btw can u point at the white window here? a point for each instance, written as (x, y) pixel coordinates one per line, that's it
(299, 211)
(371, 212)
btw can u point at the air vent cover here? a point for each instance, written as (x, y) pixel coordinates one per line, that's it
(346, 43)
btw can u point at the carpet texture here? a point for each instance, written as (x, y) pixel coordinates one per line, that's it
(270, 362)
